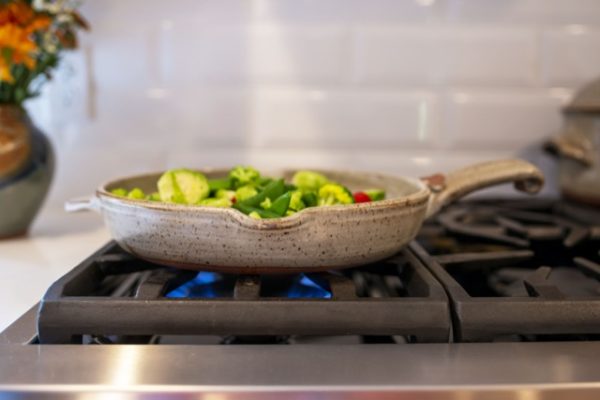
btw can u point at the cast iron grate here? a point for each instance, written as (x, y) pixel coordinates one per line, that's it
(517, 270)
(113, 294)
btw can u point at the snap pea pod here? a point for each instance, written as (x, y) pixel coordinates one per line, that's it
(246, 209)
(310, 199)
(272, 191)
(217, 184)
(281, 204)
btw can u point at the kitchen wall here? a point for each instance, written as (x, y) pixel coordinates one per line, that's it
(405, 86)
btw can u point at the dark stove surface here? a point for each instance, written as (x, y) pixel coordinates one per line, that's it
(480, 271)
(517, 270)
(113, 297)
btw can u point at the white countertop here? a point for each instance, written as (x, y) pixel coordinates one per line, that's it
(28, 266)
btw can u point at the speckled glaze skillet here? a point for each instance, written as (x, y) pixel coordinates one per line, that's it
(319, 238)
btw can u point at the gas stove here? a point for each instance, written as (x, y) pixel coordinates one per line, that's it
(496, 298)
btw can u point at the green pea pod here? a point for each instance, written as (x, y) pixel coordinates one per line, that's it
(263, 181)
(217, 184)
(281, 204)
(272, 191)
(310, 199)
(246, 209)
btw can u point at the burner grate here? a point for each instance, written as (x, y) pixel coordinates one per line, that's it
(112, 294)
(500, 290)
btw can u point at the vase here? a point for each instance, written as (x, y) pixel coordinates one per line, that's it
(26, 170)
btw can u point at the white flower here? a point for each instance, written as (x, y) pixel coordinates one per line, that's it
(56, 6)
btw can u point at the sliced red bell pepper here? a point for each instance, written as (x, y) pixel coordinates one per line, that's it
(361, 197)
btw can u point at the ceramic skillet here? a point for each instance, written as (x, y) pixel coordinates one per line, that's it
(318, 238)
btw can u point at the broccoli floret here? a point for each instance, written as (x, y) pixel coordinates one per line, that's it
(296, 202)
(266, 203)
(254, 215)
(309, 181)
(119, 192)
(241, 176)
(215, 202)
(137, 194)
(332, 194)
(153, 196)
(245, 192)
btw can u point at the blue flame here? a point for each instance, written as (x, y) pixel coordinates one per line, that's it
(307, 288)
(203, 285)
(209, 284)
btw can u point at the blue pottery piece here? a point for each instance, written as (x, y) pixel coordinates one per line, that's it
(24, 177)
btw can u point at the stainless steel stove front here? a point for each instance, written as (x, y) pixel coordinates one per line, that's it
(515, 371)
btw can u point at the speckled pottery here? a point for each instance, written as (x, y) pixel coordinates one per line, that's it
(319, 238)
(26, 170)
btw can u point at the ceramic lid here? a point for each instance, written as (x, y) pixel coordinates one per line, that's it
(586, 100)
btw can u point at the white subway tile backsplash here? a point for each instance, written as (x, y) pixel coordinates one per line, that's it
(458, 56)
(397, 55)
(122, 56)
(136, 12)
(410, 87)
(571, 55)
(487, 56)
(324, 119)
(346, 11)
(239, 55)
(79, 171)
(211, 119)
(532, 12)
(501, 120)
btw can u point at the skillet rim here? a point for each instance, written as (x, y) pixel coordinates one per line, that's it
(420, 196)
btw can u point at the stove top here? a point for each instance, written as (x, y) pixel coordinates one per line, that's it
(519, 278)
(485, 271)
(113, 297)
(517, 271)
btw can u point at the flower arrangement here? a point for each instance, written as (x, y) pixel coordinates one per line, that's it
(33, 33)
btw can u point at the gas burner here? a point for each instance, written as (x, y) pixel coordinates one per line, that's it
(514, 227)
(516, 269)
(120, 299)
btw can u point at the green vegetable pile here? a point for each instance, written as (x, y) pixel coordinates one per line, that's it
(246, 190)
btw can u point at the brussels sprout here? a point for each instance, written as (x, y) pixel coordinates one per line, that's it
(245, 192)
(183, 186)
(215, 202)
(332, 194)
(309, 181)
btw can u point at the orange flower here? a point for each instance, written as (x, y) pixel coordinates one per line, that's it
(39, 23)
(16, 12)
(17, 47)
(18, 22)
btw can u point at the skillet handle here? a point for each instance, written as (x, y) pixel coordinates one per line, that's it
(446, 189)
(82, 204)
